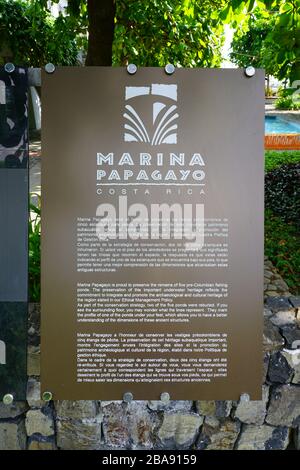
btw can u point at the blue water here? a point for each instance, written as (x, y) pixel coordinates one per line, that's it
(277, 125)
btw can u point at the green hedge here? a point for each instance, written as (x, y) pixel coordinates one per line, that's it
(282, 239)
(282, 246)
(275, 158)
(282, 192)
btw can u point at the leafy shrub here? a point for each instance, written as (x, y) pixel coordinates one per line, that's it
(286, 102)
(282, 192)
(274, 158)
(285, 92)
(34, 242)
(282, 246)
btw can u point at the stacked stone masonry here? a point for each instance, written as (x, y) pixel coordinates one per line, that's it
(272, 423)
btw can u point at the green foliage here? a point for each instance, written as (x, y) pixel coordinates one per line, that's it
(286, 102)
(275, 158)
(282, 192)
(284, 92)
(186, 33)
(34, 242)
(248, 46)
(280, 48)
(78, 19)
(282, 246)
(29, 35)
(282, 240)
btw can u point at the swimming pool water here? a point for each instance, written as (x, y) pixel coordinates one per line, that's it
(277, 125)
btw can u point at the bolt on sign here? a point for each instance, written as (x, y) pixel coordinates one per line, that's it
(14, 230)
(152, 236)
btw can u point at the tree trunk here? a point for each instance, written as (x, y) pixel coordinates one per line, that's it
(101, 15)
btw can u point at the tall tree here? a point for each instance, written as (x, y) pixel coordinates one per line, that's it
(101, 16)
(153, 32)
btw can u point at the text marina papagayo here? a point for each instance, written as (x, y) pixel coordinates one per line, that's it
(145, 167)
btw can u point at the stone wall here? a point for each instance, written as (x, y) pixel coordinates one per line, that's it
(273, 423)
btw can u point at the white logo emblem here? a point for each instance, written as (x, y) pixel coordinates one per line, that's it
(164, 115)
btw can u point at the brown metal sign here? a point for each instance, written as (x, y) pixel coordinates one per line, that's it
(152, 236)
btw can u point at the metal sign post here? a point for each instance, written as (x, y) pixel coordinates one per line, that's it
(13, 231)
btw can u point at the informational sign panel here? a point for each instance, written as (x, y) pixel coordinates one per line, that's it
(152, 236)
(13, 232)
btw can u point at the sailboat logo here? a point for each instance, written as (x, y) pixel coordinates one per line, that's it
(164, 115)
